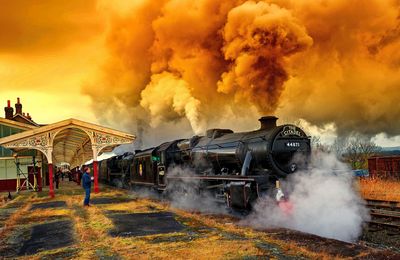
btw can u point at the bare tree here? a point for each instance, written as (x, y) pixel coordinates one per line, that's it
(339, 146)
(318, 146)
(357, 150)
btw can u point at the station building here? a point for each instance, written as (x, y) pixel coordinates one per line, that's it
(29, 152)
(14, 122)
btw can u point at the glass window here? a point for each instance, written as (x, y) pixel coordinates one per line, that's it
(2, 169)
(11, 169)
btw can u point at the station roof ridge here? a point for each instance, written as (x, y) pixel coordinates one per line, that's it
(71, 140)
(26, 119)
(63, 123)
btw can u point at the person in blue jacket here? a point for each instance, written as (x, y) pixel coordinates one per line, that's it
(86, 184)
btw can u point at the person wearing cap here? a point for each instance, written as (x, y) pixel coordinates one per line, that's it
(86, 184)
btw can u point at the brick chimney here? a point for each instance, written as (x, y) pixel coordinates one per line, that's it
(9, 110)
(18, 107)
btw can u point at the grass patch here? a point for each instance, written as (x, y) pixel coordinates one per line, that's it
(204, 236)
(137, 206)
(380, 189)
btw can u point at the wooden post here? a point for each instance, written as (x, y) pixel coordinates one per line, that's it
(39, 179)
(51, 192)
(96, 176)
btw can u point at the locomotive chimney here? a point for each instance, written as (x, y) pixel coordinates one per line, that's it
(9, 110)
(268, 122)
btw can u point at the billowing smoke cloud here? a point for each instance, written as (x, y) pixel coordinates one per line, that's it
(166, 91)
(324, 202)
(350, 76)
(257, 38)
(196, 64)
(187, 65)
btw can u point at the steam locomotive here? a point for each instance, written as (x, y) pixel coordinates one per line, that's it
(235, 168)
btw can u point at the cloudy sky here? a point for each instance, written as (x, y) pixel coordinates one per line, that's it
(47, 50)
(169, 68)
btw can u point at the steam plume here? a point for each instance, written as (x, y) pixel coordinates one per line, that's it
(226, 55)
(257, 38)
(216, 63)
(185, 195)
(324, 201)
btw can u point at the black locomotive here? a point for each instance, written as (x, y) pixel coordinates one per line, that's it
(234, 167)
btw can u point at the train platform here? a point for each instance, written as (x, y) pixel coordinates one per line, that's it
(122, 224)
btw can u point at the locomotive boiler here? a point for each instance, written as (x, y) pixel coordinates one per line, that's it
(236, 168)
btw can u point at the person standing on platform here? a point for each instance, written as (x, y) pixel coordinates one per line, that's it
(57, 177)
(86, 184)
(79, 176)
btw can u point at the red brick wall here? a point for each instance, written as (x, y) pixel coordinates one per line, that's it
(9, 185)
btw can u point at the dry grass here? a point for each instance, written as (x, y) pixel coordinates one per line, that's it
(12, 221)
(380, 189)
(211, 247)
(216, 237)
(139, 206)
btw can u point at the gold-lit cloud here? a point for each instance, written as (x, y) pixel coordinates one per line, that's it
(325, 61)
(184, 66)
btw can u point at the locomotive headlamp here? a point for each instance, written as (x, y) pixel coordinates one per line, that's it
(279, 195)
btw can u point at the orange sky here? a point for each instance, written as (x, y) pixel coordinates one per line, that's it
(185, 66)
(48, 49)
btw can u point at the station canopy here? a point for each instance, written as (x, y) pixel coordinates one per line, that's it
(71, 141)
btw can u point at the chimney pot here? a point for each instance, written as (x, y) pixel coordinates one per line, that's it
(18, 107)
(268, 122)
(9, 111)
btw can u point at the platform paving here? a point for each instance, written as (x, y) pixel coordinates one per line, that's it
(49, 205)
(48, 236)
(142, 224)
(108, 200)
(121, 225)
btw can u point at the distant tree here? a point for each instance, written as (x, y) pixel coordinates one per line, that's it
(357, 150)
(339, 147)
(318, 146)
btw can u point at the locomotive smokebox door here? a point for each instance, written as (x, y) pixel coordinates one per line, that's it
(239, 194)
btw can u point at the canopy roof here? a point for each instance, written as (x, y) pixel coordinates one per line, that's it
(71, 141)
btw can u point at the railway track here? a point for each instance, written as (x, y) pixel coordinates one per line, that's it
(385, 214)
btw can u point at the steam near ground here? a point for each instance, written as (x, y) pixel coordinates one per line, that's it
(325, 202)
(185, 195)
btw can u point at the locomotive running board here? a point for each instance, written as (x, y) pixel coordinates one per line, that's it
(216, 178)
(142, 183)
